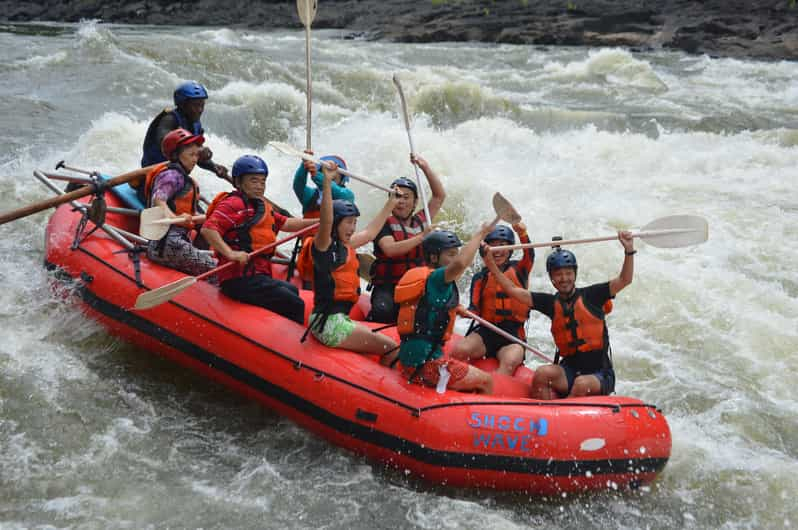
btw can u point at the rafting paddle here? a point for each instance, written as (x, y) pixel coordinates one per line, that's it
(307, 12)
(504, 210)
(406, 117)
(71, 196)
(154, 222)
(673, 231)
(289, 149)
(170, 290)
(496, 329)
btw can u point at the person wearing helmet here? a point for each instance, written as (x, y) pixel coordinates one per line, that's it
(428, 301)
(335, 278)
(582, 365)
(189, 98)
(170, 186)
(242, 221)
(397, 246)
(310, 196)
(489, 301)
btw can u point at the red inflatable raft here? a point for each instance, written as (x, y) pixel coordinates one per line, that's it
(504, 441)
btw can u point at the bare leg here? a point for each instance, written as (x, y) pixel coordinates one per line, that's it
(548, 378)
(475, 379)
(363, 340)
(469, 348)
(585, 385)
(510, 357)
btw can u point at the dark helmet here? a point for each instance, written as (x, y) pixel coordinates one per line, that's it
(249, 164)
(342, 208)
(501, 233)
(189, 90)
(561, 259)
(340, 162)
(435, 242)
(405, 183)
(179, 138)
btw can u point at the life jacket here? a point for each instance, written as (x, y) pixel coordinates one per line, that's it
(186, 200)
(493, 304)
(337, 289)
(304, 262)
(256, 232)
(152, 147)
(387, 270)
(414, 309)
(580, 334)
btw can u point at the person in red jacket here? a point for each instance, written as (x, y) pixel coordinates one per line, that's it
(582, 365)
(242, 221)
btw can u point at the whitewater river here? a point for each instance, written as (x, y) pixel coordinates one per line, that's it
(97, 434)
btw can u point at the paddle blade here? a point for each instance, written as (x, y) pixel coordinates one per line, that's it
(675, 231)
(148, 227)
(307, 11)
(505, 210)
(405, 114)
(164, 293)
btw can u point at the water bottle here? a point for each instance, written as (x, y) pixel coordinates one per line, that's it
(443, 379)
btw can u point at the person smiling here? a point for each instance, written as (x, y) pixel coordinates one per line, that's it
(336, 284)
(242, 221)
(582, 365)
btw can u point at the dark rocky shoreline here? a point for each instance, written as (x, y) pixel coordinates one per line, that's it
(766, 29)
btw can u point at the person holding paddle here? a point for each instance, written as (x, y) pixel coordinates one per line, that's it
(189, 98)
(242, 221)
(335, 273)
(489, 301)
(169, 186)
(429, 300)
(398, 245)
(582, 365)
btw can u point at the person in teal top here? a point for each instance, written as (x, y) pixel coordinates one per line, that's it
(429, 301)
(310, 196)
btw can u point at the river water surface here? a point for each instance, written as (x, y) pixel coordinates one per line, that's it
(97, 434)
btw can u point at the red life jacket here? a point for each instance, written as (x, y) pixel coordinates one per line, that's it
(580, 333)
(493, 304)
(413, 321)
(388, 271)
(185, 200)
(256, 232)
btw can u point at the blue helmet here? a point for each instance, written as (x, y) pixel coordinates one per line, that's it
(435, 242)
(189, 90)
(342, 208)
(561, 259)
(405, 183)
(249, 164)
(340, 162)
(501, 233)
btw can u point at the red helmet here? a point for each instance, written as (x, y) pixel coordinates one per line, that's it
(177, 138)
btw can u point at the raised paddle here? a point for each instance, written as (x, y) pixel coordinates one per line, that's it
(504, 210)
(673, 231)
(170, 290)
(288, 149)
(71, 196)
(154, 223)
(496, 329)
(307, 12)
(406, 117)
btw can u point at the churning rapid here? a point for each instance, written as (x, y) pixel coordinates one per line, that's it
(97, 434)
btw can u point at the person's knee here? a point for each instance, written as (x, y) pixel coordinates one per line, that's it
(585, 386)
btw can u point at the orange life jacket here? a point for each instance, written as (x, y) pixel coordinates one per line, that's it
(337, 289)
(388, 271)
(414, 309)
(185, 200)
(304, 260)
(256, 232)
(493, 304)
(580, 333)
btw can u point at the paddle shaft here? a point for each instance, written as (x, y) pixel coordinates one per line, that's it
(176, 220)
(270, 246)
(309, 88)
(649, 233)
(412, 147)
(500, 331)
(341, 170)
(71, 196)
